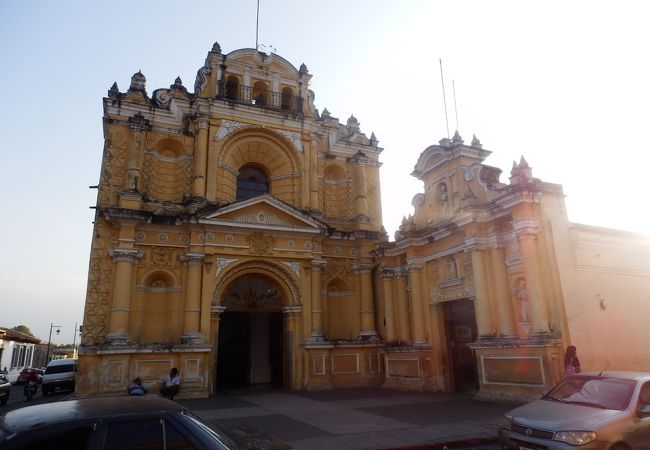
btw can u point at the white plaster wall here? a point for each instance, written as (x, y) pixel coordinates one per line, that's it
(606, 286)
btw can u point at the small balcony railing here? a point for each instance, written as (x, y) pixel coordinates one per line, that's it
(248, 95)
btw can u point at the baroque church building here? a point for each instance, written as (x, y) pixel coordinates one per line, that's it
(238, 237)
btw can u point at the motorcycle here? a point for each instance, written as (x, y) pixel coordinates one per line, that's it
(30, 389)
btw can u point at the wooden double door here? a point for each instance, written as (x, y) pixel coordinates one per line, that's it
(460, 327)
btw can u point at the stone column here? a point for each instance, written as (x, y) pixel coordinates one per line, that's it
(482, 309)
(292, 319)
(389, 304)
(438, 343)
(200, 157)
(313, 176)
(503, 303)
(417, 303)
(191, 333)
(367, 307)
(215, 317)
(317, 333)
(403, 321)
(527, 236)
(275, 92)
(124, 259)
(361, 198)
(247, 91)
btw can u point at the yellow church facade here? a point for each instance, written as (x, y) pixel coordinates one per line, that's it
(238, 237)
(233, 236)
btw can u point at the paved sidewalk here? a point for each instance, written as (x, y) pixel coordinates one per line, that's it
(351, 419)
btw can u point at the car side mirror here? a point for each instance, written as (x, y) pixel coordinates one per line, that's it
(644, 410)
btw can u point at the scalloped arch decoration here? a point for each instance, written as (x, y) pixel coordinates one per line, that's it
(267, 149)
(169, 147)
(157, 276)
(282, 277)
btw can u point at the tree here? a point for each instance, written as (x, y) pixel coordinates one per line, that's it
(23, 329)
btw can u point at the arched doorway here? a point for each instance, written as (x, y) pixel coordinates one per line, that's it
(250, 344)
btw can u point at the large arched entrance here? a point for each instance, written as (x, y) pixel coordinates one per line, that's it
(250, 341)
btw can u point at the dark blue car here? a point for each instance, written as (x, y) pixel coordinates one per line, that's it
(109, 423)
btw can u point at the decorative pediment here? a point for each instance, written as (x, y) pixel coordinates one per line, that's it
(273, 62)
(264, 212)
(435, 156)
(431, 158)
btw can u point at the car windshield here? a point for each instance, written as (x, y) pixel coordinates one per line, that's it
(62, 368)
(594, 391)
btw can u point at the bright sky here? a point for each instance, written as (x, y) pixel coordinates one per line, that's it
(563, 83)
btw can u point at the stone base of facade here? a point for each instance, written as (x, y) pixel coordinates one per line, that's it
(192, 339)
(413, 368)
(517, 370)
(349, 364)
(108, 369)
(119, 339)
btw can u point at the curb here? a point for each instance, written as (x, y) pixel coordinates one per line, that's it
(451, 444)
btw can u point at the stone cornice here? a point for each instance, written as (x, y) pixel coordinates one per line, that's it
(526, 228)
(362, 267)
(193, 259)
(480, 242)
(414, 264)
(131, 255)
(318, 264)
(202, 123)
(217, 309)
(514, 197)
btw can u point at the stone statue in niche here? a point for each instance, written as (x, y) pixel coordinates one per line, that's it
(443, 197)
(452, 268)
(521, 292)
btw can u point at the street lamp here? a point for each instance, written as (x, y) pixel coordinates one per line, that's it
(58, 331)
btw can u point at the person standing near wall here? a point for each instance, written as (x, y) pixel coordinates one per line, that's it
(571, 361)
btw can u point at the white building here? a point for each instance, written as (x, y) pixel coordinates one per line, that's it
(16, 352)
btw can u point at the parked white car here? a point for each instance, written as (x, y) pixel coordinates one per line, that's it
(59, 374)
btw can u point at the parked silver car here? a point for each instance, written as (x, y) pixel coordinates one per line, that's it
(591, 410)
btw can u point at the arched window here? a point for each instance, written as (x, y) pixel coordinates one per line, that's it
(232, 88)
(260, 94)
(251, 182)
(285, 99)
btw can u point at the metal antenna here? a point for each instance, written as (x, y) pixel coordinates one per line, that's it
(257, 25)
(444, 98)
(453, 85)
